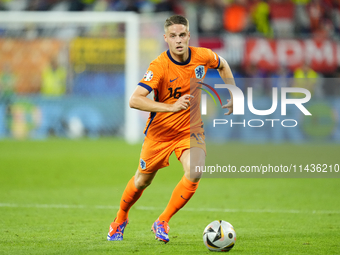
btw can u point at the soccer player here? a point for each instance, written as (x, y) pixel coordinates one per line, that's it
(169, 127)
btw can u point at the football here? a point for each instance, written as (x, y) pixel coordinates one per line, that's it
(219, 235)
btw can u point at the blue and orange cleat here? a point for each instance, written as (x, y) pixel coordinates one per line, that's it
(116, 231)
(161, 230)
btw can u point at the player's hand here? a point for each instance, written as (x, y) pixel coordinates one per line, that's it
(228, 106)
(182, 103)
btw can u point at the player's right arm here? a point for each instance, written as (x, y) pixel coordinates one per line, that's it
(139, 101)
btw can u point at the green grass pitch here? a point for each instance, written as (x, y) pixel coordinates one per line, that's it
(59, 197)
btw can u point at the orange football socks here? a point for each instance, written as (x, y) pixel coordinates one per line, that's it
(184, 190)
(130, 196)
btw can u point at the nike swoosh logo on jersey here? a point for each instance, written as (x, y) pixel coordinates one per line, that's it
(173, 79)
(184, 198)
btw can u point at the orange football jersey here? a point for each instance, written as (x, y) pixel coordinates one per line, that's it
(170, 80)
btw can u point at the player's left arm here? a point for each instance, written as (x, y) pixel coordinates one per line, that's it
(228, 78)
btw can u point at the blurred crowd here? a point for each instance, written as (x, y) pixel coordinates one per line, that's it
(272, 18)
(215, 18)
(320, 85)
(268, 18)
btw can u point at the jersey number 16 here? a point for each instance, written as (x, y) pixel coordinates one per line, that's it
(176, 94)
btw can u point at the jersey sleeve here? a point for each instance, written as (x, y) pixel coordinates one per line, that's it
(152, 77)
(213, 59)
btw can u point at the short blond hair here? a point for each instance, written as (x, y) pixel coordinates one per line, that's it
(176, 20)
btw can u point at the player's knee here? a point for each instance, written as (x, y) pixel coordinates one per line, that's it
(195, 173)
(191, 171)
(192, 176)
(143, 181)
(186, 166)
(142, 184)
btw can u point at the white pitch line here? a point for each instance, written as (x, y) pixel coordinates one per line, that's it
(148, 208)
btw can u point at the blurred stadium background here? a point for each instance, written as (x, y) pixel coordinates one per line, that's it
(67, 69)
(72, 79)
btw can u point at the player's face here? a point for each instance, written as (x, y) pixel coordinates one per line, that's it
(177, 36)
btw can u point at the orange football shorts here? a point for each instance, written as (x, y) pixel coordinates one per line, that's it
(155, 155)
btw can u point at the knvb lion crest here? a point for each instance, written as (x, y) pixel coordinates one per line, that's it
(142, 164)
(199, 72)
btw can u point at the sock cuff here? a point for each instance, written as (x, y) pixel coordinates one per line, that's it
(132, 185)
(189, 184)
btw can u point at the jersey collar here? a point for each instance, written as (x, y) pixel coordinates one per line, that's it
(179, 63)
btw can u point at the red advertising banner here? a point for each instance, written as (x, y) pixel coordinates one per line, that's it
(322, 56)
